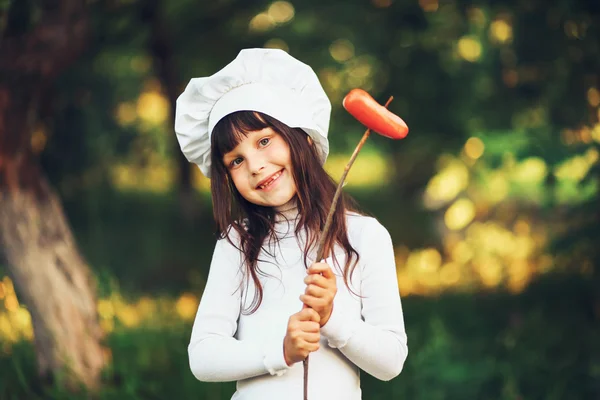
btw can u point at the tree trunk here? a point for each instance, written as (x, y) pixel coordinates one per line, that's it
(54, 282)
(50, 276)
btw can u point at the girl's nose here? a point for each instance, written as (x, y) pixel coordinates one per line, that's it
(256, 165)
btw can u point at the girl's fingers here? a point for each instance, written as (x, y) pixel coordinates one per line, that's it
(313, 302)
(319, 280)
(321, 268)
(316, 291)
(310, 346)
(309, 327)
(308, 314)
(311, 337)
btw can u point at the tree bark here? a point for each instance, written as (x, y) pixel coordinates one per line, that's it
(53, 281)
(51, 278)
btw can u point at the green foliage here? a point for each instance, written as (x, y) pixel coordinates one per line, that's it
(141, 242)
(538, 345)
(541, 344)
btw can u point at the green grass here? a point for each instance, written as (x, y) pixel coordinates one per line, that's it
(541, 344)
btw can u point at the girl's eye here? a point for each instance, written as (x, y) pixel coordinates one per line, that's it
(236, 162)
(264, 141)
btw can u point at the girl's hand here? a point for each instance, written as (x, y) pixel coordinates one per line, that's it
(302, 336)
(321, 288)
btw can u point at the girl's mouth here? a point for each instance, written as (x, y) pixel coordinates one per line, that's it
(270, 182)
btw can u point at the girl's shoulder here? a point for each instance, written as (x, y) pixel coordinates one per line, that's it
(363, 228)
(231, 237)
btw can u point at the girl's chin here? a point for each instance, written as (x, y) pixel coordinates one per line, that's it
(277, 201)
(279, 204)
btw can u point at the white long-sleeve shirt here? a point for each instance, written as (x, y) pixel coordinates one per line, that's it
(366, 333)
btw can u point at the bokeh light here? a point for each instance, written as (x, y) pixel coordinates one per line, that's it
(593, 97)
(446, 184)
(370, 170)
(501, 31)
(153, 107)
(126, 114)
(341, 50)
(469, 48)
(532, 170)
(186, 306)
(459, 214)
(281, 11)
(261, 22)
(474, 148)
(114, 312)
(429, 5)
(577, 167)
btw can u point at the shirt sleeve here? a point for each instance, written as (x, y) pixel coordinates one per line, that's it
(377, 342)
(215, 355)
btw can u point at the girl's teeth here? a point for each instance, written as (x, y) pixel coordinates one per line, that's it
(270, 181)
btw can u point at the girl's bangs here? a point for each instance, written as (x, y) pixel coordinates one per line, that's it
(233, 128)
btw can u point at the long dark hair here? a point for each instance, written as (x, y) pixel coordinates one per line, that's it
(254, 223)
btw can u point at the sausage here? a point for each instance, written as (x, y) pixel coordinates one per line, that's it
(373, 115)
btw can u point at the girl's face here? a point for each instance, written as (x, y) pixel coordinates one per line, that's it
(261, 169)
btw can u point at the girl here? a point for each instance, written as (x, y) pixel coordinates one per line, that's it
(258, 128)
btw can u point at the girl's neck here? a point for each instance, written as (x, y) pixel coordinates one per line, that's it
(287, 211)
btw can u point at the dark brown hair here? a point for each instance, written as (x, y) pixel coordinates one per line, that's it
(254, 223)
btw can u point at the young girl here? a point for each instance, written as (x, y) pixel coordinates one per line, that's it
(258, 128)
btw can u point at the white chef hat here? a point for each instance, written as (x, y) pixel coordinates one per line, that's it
(266, 80)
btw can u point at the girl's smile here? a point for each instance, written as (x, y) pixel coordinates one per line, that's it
(260, 167)
(269, 182)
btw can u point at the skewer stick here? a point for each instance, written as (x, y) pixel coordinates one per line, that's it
(321, 248)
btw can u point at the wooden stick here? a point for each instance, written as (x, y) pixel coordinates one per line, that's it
(329, 219)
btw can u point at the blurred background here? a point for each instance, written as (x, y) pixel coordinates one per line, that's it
(492, 200)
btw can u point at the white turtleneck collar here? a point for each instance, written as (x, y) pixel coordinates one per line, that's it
(286, 220)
